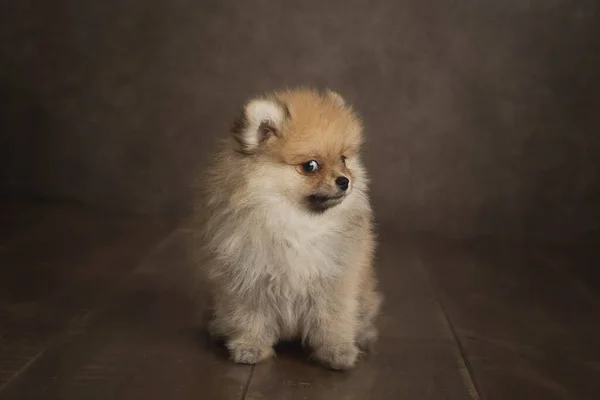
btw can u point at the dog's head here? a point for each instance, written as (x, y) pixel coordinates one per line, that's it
(303, 145)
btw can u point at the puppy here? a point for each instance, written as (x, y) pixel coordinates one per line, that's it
(287, 225)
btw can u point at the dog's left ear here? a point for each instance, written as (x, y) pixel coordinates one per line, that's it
(260, 119)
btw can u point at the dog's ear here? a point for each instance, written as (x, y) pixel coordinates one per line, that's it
(337, 99)
(260, 119)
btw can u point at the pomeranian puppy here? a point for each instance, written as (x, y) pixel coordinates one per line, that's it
(288, 228)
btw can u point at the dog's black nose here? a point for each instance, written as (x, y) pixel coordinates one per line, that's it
(342, 182)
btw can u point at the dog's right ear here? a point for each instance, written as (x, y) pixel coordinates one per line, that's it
(259, 120)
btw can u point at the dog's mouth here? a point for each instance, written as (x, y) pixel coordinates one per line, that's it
(320, 203)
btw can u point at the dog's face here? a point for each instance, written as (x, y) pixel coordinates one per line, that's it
(302, 145)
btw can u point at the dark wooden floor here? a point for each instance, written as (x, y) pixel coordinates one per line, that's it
(99, 307)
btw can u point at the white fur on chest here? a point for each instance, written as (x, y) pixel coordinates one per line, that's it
(281, 256)
(284, 247)
(302, 248)
(280, 244)
(303, 252)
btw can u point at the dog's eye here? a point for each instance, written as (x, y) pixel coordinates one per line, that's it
(343, 158)
(310, 166)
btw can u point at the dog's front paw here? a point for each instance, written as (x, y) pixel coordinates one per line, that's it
(242, 353)
(340, 357)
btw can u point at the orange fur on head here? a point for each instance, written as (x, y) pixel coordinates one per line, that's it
(294, 127)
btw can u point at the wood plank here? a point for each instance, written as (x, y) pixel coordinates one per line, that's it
(57, 270)
(146, 343)
(527, 330)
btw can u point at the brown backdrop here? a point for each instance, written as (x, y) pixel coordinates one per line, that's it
(482, 116)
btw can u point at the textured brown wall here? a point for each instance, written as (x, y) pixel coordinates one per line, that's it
(482, 116)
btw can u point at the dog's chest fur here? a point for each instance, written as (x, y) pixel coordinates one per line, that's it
(299, 255)
(291, 250)
(284, 258)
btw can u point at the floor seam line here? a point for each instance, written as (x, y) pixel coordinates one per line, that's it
(247, 385)
(472, 386)
(24, 368)
(153, 251)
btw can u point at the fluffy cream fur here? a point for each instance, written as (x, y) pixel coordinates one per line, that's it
(290, 252)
